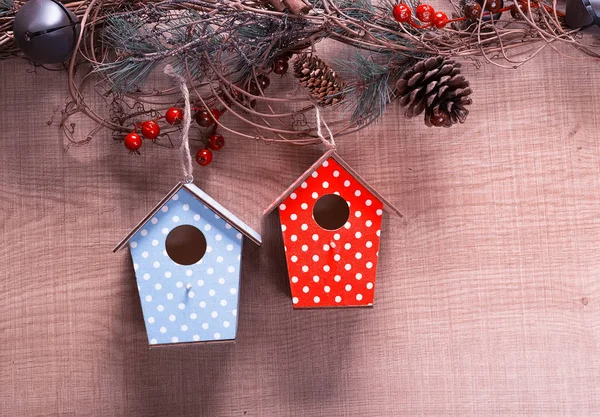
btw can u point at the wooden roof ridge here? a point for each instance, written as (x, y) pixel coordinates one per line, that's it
(212, 204)
(389, 207)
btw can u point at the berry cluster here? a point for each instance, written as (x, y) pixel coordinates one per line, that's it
(473, 10)
(257, 86)
(150, 129)
(209, 118)
(424, 12)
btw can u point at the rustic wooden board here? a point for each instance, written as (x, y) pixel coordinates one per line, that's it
(488, 292)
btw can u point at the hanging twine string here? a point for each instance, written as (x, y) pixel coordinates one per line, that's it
(329, 143)
(186, 157)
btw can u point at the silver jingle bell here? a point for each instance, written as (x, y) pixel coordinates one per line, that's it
(46, 31)
(582, 14)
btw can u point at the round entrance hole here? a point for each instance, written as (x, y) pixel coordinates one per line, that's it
(185, 244)
(331, 212)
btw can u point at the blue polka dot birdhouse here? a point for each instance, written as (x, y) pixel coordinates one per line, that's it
(187, 256)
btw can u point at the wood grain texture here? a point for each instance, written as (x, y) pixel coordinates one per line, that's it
(488, 294)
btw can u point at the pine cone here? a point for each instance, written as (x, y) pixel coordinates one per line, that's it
(436, 86)
(325, 86)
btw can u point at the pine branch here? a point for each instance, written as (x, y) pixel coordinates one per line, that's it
(257, 42)
(371, 90)
(130, 39)
(130, 35)
(127, 75)
(242, 41)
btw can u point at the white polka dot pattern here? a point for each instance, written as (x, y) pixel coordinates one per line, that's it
(193, 302)
(331, 268)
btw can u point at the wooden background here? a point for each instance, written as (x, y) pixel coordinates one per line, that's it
(488, 291)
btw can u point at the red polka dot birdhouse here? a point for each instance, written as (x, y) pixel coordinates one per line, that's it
(330, 220)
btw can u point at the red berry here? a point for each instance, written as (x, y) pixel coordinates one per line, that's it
(133, 141)
(204, 157)
(174, 115)
(150, 129)
(216, 142)
(215, 113)
(425, 13)
(263, 81)
(494, 6)
(473, 11)
(280, 66)
(402, 13)
(514, 9)
(440, 20)
(204, 118)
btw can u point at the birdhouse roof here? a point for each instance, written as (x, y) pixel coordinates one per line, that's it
(205, 199)
(331, 154)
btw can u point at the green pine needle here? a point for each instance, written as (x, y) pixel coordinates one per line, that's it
(360, 9)
(191, 65)
(129, 36)
(127, 75)
(257, 40)
(369, 93)
(6, 7)
(243, 41)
